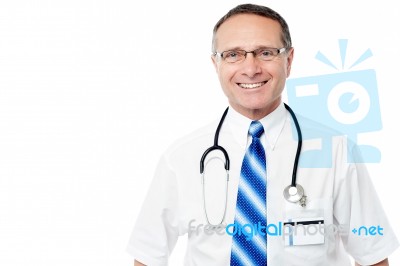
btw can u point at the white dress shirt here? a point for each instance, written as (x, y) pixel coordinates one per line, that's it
(342, 195)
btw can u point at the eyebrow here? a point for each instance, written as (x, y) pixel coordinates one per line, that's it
(241, 48)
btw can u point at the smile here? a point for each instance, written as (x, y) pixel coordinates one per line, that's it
(251, 85)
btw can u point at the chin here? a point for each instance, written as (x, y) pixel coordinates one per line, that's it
(258, 105)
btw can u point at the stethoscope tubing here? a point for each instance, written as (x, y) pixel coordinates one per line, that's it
(216, 146)
(227, 160)
(298, 194)
(299, 145)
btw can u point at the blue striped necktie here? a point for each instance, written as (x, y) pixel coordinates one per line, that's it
(251, 204)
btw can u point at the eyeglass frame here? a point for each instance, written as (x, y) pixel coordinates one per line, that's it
(279, 51)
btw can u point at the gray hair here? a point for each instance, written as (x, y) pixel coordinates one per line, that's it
(260, 11)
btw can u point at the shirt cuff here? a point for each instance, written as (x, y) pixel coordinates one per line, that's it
(375, 257)
(145, 258)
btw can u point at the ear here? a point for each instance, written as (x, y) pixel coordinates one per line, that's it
(215, 63)
(289, 61)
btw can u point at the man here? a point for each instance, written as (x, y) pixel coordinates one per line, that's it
(252, 55)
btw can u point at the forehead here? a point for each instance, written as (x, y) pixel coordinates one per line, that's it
(248, 31)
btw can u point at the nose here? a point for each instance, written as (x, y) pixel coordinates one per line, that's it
(251, 65)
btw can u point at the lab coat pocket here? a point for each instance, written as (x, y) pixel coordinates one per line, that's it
(304, 232)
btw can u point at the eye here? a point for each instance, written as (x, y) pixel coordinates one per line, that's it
(230, 54)
(266, 53)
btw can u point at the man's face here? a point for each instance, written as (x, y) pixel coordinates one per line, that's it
(253, 86)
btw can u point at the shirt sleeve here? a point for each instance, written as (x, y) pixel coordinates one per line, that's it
(369, 237)
(156, 230)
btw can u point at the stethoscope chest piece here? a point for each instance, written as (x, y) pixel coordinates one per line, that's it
(295, 194)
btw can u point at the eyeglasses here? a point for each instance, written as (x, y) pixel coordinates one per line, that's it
(263, 54)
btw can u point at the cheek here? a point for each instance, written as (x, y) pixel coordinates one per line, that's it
(226, 69)
(225, 76)
(281, 73)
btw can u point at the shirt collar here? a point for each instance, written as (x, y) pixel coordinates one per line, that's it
(273, 124)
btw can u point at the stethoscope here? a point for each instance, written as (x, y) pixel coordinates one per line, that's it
(292, 193)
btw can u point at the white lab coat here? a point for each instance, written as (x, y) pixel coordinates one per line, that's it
(342, 195)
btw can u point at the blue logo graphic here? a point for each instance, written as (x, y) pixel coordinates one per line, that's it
(368, 231)
(347, 103)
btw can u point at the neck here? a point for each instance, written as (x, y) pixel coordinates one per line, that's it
(257, 114)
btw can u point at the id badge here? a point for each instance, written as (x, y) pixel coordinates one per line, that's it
(304, 231)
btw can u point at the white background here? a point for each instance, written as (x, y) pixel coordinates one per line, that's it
(92, 92)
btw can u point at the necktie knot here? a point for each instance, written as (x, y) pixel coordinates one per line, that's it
(256, 129)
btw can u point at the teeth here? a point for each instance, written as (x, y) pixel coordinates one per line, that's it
(251, 85)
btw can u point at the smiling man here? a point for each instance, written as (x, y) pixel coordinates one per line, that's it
(253, 81)
(252, 54)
